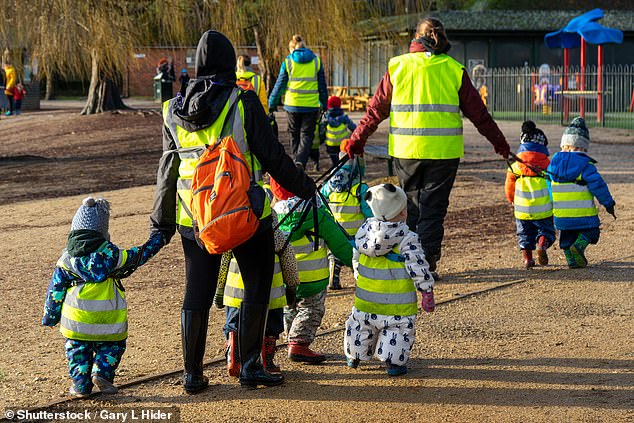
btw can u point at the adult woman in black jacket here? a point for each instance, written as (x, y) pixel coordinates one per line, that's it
(206, 98)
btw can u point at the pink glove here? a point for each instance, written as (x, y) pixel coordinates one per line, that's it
(427, 302)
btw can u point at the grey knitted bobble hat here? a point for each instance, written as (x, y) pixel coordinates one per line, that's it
(93, 214)
(576, 134)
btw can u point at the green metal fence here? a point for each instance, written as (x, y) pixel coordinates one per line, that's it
(540, 94)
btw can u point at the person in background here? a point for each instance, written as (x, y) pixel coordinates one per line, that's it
(303, 82)
(575, 184)
(18, 94)
(184, 80)
(423, 93)
(337, 127)
(9, 86)
(247, 79)
(526, 188)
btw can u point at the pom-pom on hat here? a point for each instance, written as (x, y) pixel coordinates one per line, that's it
(94, 215)
(386, 201)
(576, 134)
(279, 191)
(334, 102)
(531, 133)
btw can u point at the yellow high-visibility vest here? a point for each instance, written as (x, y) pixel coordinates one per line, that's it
(532, 199)
(191, 145)
(302, 89)
(384, 287)
(425, 120)
(94, 311)
(346, 209)
(572, 200)
(234, 288)
(312, 265)
(336, 134)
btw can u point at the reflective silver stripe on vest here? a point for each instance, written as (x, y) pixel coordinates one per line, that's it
(341, 132)
(306, 249)
(235, 292)
(120, 260)
(351, 224)
(234, 268)
(574, 204)
(310, 265)
(429, 132)
(450, 108)
(569, 187)
(532, 195)
(113, 304)
(534, 209)
(344, 209)
(383, 274)
(294, 90)
(383, 298)
(183, 184)
(94, 328)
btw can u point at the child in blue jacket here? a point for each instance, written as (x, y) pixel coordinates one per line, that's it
(575, 184)
(86, 297)
(336, 126)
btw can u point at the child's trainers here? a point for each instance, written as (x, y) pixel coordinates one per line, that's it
(572, 263)
(352, 362)
(104, 385)
(76, 394)
(542, 246)
(394, 370)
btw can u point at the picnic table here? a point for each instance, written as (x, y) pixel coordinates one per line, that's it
(352, 98)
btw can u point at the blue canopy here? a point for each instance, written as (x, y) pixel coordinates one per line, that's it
(586, 27)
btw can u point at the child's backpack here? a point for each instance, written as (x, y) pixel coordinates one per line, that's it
(245, 84)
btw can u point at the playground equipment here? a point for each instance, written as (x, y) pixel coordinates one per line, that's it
(582, 30)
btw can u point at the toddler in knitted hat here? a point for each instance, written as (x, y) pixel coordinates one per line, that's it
(336, 127)
(576, 136)
(86, 297)
(390, 267)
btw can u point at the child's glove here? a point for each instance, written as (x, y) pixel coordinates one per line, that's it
(611, 210)
(427, 303)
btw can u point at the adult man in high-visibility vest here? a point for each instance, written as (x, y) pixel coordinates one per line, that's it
(197, 122)
(302, 82)
(423, 93)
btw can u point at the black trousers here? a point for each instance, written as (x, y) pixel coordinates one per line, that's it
(302, 125)
(255, 258)
(427, 184)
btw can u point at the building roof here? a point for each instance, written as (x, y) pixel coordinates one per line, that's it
(498, 21)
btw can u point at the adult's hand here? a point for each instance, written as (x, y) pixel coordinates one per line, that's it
(354, 147)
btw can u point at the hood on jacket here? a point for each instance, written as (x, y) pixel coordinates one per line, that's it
(284, 207)
(207, 95)
(376, 238)
(345, 178)
(93, 267)
(82, 242)
(302, 55)
(567, 166)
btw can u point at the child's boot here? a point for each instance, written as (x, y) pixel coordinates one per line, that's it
(542, 246)
(303, 354)
(268, 354)
(394, 370)
(104, 385)
(528, 258)
(570, 260)
(76, 393)
(352, 362)
(335, 271)
(231, 352)
(577, 249)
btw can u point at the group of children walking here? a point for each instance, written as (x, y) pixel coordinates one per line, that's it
(348, 224)
(556, 195)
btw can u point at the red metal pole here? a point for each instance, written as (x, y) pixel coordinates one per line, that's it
(600, 83)
(582, 82)
(565, 84)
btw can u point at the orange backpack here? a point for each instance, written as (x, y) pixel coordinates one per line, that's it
(226, 202)
(245, 84)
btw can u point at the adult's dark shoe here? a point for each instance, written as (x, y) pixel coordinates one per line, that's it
(194, 336)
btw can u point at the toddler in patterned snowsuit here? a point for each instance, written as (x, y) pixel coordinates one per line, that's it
(86, 297)
(390, 266)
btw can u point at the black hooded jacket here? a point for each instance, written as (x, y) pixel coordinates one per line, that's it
(204, 100)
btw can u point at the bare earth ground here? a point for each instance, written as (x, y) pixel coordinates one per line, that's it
(555, 347)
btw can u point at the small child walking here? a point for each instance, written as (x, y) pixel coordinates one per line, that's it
(86, 297)
(345, 194)
(527, 189)
(337, 126)
(19, 92)
(302, 319)
(389, 265)
(283, 288)
(575, 184)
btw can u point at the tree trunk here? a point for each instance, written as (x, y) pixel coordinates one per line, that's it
(103, 93)
(49, 88)
(262, 62)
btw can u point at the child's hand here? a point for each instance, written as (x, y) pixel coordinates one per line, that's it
(611, 211)
(427, 303)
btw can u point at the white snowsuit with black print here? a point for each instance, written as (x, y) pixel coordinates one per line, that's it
(389, 338)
